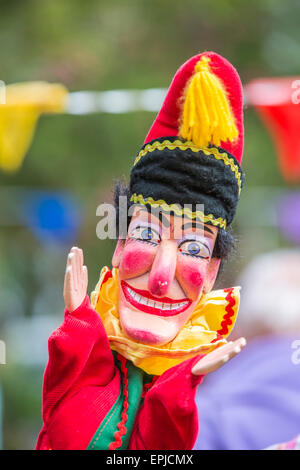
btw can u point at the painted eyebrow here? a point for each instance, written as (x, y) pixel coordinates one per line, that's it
(196, 225)
(162, 218)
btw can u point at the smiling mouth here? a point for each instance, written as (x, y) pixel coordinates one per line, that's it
(144, 301)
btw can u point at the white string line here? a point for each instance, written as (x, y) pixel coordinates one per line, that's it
(115, 101)
(118, 101)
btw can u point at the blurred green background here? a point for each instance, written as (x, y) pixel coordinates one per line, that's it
(103, 45)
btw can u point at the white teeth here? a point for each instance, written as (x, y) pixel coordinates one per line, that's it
(158, 305)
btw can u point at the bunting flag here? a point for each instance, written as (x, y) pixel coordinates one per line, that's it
(277, 101)
(20, 108)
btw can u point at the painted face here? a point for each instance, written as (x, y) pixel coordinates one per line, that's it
(164, 264)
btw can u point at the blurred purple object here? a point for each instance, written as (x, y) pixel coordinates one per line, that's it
(253, 401)
(288, 216)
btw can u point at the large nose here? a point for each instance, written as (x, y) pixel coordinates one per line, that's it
(163, 268)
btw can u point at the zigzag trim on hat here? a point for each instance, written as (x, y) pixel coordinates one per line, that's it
(139, 199)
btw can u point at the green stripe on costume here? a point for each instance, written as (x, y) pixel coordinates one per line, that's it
(105, 434)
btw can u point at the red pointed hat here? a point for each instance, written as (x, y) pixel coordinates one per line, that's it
(193, 151)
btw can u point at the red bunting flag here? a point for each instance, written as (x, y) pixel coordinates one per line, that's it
(277, 100)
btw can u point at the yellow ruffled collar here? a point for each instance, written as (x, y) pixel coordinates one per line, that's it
(207, 328)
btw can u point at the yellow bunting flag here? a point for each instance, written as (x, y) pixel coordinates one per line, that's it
(19, 113)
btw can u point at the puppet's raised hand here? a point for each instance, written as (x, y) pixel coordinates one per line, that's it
(76, 280)
(218, 357)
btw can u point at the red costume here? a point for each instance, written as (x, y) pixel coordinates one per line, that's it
(82, 383)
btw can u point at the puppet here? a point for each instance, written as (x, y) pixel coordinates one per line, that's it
(123, 369)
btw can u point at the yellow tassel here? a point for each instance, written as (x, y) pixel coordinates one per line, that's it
(207, 116)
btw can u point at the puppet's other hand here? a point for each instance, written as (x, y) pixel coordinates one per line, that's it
(76, 280)
(218, 357)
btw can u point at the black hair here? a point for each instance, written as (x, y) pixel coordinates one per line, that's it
(225, 242)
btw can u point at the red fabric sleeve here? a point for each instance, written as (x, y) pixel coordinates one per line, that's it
(168, 418)
(81, 382)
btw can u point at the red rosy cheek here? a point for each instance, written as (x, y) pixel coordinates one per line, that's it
(136, 260)
(191, 276)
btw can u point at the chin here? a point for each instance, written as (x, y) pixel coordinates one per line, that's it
(146, 337)
(139, 327)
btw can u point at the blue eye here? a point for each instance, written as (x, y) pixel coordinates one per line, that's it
(147, 234)
(193, 248)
